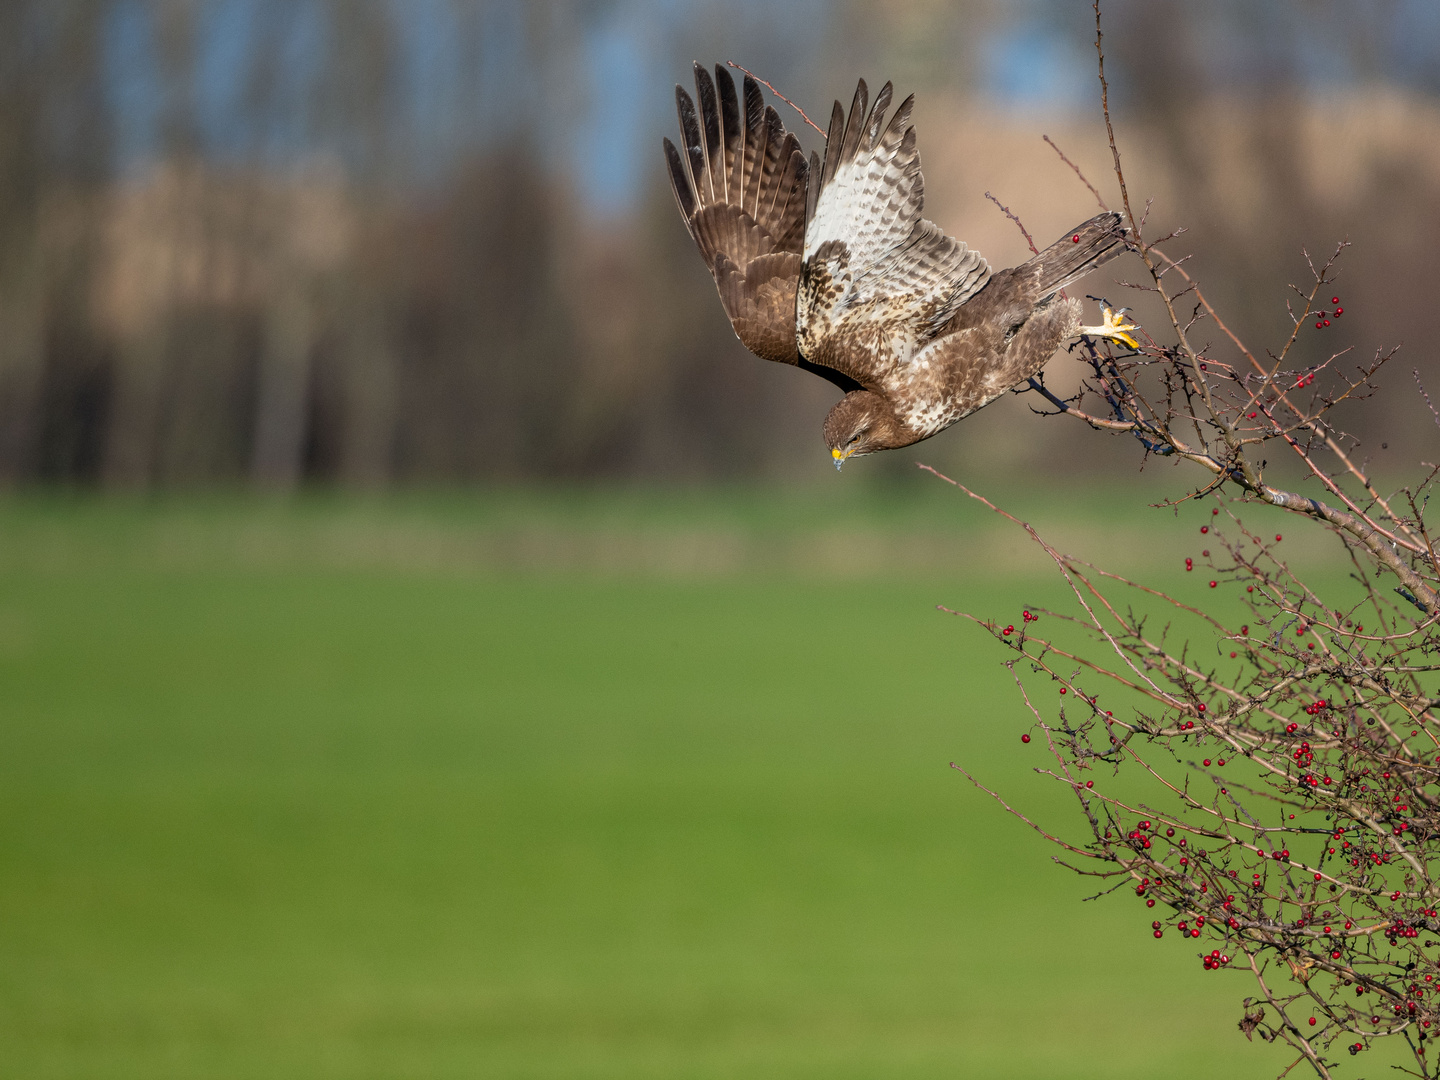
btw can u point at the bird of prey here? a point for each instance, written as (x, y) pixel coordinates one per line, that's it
(828, 265)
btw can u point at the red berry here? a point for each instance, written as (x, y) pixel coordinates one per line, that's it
(1075, 239)
(1213, 584)
(1334, 299)
(1278, 538)
(1204, 528)
(1339, 311)
(1206, 763)
(1232, 656)
(1159, 933)
(1317, 326)
(1327, 322)
(1024, 738)
(1312, 1021)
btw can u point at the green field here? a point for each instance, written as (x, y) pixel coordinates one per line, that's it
(348, 789)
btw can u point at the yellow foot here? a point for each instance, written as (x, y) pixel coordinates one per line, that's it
(1115, 327)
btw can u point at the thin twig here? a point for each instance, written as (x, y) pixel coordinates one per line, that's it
(779, 95)
(1018, 224)
(1083, 179)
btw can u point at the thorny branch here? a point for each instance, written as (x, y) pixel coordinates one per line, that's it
(1295, 748)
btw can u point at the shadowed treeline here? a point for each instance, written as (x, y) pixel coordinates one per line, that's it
(370, 243)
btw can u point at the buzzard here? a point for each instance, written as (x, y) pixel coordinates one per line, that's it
(828, 265)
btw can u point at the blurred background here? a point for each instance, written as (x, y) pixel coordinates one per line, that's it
(431, 645)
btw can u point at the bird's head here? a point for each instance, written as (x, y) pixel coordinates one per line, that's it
(862, 423)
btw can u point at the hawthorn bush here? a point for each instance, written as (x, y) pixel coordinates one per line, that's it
(1290, 825)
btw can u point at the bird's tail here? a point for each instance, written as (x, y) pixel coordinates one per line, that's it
(1081, 250)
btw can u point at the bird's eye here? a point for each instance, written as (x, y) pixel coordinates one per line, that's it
(853, 439)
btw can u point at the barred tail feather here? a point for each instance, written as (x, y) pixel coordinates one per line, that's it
(1084, 248)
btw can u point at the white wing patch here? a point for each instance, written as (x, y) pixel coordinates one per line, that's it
(872, 205)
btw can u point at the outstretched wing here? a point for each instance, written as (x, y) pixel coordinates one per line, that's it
(878, 280)
(740, 184)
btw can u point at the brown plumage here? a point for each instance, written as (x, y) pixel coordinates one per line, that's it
(829, 265)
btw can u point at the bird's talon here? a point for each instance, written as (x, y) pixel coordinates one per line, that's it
(1115, 327)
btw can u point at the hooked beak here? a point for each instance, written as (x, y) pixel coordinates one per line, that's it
(840, 455)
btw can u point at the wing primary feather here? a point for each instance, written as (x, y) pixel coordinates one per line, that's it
(812, 189)
(784, 181)
(795, 181)
(756, 131)
(732, 136)
(680, 184)
(777, 155)
(833, 139)
(795, 235)
(877, 117)
(895, 130)
(710, 130)
(780, 182)
(690, 132)
(907, 151)
(856, 124)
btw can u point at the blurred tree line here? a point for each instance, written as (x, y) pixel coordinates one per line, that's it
(368, 242)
